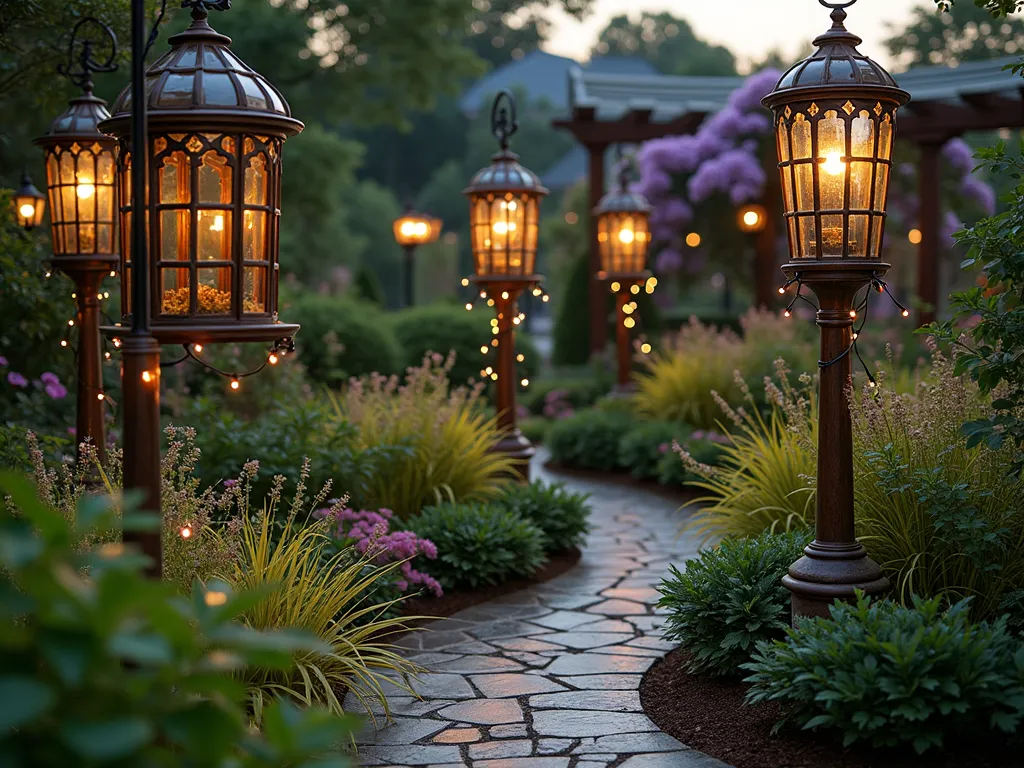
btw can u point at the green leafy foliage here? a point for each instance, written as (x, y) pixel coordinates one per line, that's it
(961, 33)
(993, 349)
(445, 328)
(729, 599)
(666, 41)
(888, 675)
(572, 321)
(996, 7)
(573, 388)
(589, 440)
(100, 666)
(341, 338)
(479, 544)
(643, 448)
(559, 513)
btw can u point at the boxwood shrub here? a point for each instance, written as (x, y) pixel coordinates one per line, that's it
(888, 675)
(730, 598)
(642, 449)
(560, 514)
(589, 440)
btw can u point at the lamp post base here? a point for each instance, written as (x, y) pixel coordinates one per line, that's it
(828, 572)
(520, 450)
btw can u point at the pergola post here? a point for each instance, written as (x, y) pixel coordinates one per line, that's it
(928, 249)
(598, 295)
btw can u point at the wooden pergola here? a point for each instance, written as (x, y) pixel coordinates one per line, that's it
(607, 109)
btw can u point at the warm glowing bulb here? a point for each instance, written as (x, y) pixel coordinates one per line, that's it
(272, 359)
(469, 306)
(74, 295)
(833, 164)
(101, 396)
(510, 205)
(494, 342)
(645, 348)
(235, 384)
(494, 376)
(503, 227)
(63, 342)
(520, 358)
(871, 384)
(787, 313)
(628, 309)
(197, 348)
(185, 532)
(750, 218)
(117, 343)
(629, 322)
(490, 302)
(504, 294)
(218, 223)
(855, 335)
(147, 376)
(615, 287)
(626, 236)
(49, 273)
(525, 382)
(906, 313)
(634, 289)
(27, 210)
(215, 598)
(106, 355)
(782, 291)
(465, 282)
(545, 298)
(494, 330)
(516, 321)
(71, 322)
(914, 236)
(99, 297)
(693, 239)
(537, 291)
(853, 313)
(85, 191)
(113, 273)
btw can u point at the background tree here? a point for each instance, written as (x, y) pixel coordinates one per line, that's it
(961, 33)
(667, 42)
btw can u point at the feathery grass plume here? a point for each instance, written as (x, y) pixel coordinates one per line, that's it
(765, 475)
(442, 438)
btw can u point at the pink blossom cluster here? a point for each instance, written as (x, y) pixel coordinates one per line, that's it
(370, 532)
(711, 436)
(680, 172)
(49, 382)
(557, 405)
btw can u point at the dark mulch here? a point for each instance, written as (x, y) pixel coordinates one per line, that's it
(679, 494)
(709, 714)
(454, 601)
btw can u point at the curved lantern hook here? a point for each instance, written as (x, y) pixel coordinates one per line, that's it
(80, 67)
(504, 122)
(837, 6)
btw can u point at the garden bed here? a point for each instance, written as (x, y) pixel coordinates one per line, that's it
(709, 714)
(454, 601)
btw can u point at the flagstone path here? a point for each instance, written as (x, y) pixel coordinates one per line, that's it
(549, 677)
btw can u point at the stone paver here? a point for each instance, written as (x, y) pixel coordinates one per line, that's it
(549, 677)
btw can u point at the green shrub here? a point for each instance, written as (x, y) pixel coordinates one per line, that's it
(101, 666)
(479, 544)
(549, 396)
(729, 599)
(341, 338)
(368, 287)
(671, 471)
(534, 429)
(889, 675)
(572, 321)
(445, 328)
(588, 440)
(560, 514)
(643, 448)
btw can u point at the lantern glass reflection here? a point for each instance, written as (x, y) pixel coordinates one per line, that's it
(504, 233)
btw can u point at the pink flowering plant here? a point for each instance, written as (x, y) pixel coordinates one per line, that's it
(370, 533)
(41, 403)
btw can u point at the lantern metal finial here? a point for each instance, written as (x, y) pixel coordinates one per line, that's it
(504, 122)
(79, 69)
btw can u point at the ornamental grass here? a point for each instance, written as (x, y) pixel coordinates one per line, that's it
(677, 382)
(439, 438)
(302, 587)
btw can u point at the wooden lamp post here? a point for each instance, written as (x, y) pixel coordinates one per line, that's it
(413, 229)
(504, 211)
(835, 122)
(623, 239)
(80, 179)
(200, 136)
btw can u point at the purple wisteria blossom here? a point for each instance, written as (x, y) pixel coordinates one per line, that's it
(371, 534)
(959, 155)
(3, 361)
(981, 193)
(678, 172)
(49, 378)
(15, 379)
(56, 391)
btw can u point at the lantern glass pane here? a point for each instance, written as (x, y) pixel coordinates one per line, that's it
(255, 290)
(177, 91)
(210, 59)
(832, 236)
(85, 190)
(787, 188)
(214, 290)
(213, 230)
(876, 235)
(801, 134)
(885, 138)
(174, 286)
(832, 164)
(68, 205)
(105, 238)
(862, 135)
(256, 181)
(218, 90)
(254, 236)
(70, 237)
(860, 186)
(174, 179)
(214, 179)
(808, 237)
(254, 97)
(881, 186)
(804, 186)
(782, 142)
(188, 56)
(174, 236)
(858, 236)
(67, 168)
(531, 211)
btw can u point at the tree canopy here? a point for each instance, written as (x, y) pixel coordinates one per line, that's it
(961, 33)
(669, 43)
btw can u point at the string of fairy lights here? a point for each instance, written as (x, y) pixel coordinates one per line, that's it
(860, 311)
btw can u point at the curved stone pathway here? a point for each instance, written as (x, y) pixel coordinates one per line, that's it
(549, 677)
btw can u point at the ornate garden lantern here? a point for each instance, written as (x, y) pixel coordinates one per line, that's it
(216, 132)
(80, 179)
(504, 218)
(29, 204)
(623, 238)
(411, 230)
(835, 122)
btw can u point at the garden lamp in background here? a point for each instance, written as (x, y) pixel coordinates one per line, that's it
(29, 204)
(413, 229)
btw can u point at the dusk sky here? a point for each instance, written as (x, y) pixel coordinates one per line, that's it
(749, 28)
